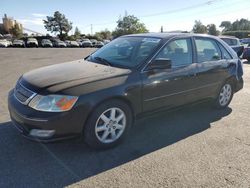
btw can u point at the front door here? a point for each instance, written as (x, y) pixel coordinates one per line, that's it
(171, 87)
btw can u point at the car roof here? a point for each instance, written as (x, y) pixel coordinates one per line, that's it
(175, 35)
(170, 35)
(227, 37)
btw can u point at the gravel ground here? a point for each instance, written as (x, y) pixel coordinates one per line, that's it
(195, 146)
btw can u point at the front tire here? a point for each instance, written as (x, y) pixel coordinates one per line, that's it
(225, 95)
(108, 124)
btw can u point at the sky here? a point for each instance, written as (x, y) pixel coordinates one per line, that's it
(103, 14)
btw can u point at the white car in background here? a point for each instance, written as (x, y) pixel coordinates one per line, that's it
(18, 43)
(4, 43)
(32, 42)
(9, 43)
(67, 42)
(106, 42)
(74, 44)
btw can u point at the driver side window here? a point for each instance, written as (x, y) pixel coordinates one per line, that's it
(178, 51)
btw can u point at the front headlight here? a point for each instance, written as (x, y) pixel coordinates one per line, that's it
(53, 103)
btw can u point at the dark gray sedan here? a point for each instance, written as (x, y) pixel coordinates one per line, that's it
(100, 96)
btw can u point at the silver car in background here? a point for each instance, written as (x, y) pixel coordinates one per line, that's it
(46, 43)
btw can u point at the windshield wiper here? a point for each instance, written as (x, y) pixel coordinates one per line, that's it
(102, 60)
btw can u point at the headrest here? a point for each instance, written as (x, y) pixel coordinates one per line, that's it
(209, 52)
(179, 50)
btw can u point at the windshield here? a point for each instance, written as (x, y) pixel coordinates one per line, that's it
(231, 42)
(126, 52)
(31, 39)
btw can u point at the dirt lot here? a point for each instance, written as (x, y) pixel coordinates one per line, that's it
(195, 146)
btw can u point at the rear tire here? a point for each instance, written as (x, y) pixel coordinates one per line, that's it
(225, 95)
(108, 124)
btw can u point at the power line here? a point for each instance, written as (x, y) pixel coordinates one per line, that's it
(212, 15)
(208, 3)
(202, 11)
(32, 31)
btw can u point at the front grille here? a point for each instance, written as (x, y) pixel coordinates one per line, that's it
(23, 94)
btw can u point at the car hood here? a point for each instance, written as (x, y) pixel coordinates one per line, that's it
(3, 42)
(67, 75)
(32, 40)
(18, 42)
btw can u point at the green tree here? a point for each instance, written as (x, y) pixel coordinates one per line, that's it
(58, 23)
(242, 24)
(16, 31)
(105, 34)
(91, 37)
(226, 26)
(239, 28)
(212, 30)
(199, 27)
(77, 33)
(129, 24)
(239, 33)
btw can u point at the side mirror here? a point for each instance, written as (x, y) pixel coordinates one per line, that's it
(160, 63)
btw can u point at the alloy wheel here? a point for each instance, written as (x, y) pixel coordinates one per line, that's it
(225, 95)
(110, 125)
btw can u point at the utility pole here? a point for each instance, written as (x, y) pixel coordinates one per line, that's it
(161, 29)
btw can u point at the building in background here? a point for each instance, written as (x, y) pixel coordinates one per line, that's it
(8, 24)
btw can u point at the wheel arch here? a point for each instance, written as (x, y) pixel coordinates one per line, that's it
(233, 81)
(120, 98)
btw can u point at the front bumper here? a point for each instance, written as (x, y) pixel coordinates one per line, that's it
(64, 125)
(18, 45)
(47, 45)
(32, 45)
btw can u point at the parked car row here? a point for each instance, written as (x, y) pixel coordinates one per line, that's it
(49, 43)
(241, 47)
(246, 52)
(234, 43)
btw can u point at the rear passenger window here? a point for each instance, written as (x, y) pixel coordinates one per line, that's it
(225, 53)
(178, 51)
(207, 50)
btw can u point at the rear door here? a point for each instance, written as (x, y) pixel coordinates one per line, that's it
(211, 66)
